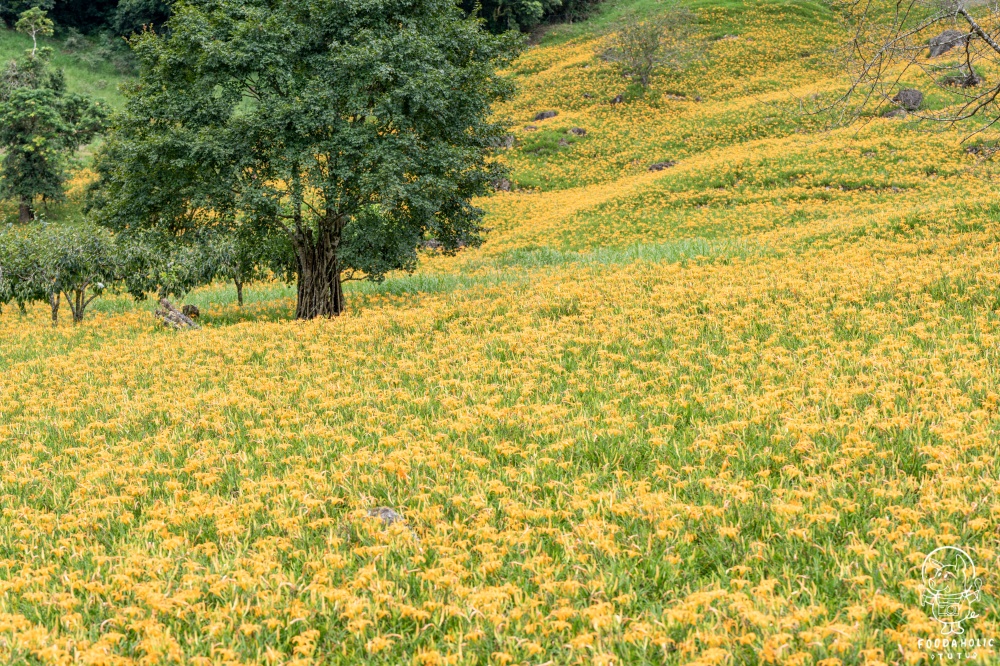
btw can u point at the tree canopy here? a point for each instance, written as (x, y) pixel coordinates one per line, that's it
(501, 15)
(356, 129)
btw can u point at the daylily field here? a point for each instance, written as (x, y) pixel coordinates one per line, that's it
(714, 414)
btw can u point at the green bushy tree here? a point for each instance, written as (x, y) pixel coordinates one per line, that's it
(49, 263)
(354, 129)
(41, 125)
(159, 265)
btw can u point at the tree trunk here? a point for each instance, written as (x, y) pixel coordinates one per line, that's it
(54, 300)
(25, 212)
(239, 292)
(320, 292)
(79, 306)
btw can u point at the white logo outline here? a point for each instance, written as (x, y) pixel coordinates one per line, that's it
(950, 588)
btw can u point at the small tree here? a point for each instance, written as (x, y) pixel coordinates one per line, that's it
(643, 47)
(242, 259)
(159, 265)
(34, 22)
(85, 263)
(52, 262)
(22, 270)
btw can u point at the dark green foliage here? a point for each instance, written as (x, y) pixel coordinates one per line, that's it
(40, 126)
(132, 15)
(355, 129)
(501, 15)
(84, 15)
(10, 10)
(30, 128)
(123, 17)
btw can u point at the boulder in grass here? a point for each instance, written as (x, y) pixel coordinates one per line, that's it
(660, 166)
(946, 41)
(617, 99)
(895, 113)
(508, 141)
(545, 115)
(577, 131)
(502, 185)
(909, 99)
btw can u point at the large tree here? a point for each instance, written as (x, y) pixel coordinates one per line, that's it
(356, 128)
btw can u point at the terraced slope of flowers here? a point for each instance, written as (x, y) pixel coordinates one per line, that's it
(716, 414)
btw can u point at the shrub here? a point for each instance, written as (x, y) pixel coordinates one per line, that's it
(642, 47)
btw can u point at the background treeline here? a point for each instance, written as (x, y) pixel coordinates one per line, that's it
(127, 16)
(501, 15)
(92, 16)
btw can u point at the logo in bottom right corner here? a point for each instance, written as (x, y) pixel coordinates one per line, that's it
(951, 588)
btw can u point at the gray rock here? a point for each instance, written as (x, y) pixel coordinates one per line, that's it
(660, 166)
(577, 131)
(530, 128)
(909, 98)
(429, 245)
(946, 41)
(895, 113)
(387, 515)
(508, 141)
(588, 96)
(191, 311)
(545, 115)
(563, 143)
(502, 185)
(617, 99)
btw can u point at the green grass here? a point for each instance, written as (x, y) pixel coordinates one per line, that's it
(88, 72)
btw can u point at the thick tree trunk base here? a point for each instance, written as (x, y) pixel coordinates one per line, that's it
(24, 213)
(320, 292)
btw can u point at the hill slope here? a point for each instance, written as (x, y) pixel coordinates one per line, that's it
(712, 414)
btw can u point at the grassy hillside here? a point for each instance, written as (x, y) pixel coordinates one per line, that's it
(715, 414)
(89, 70)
